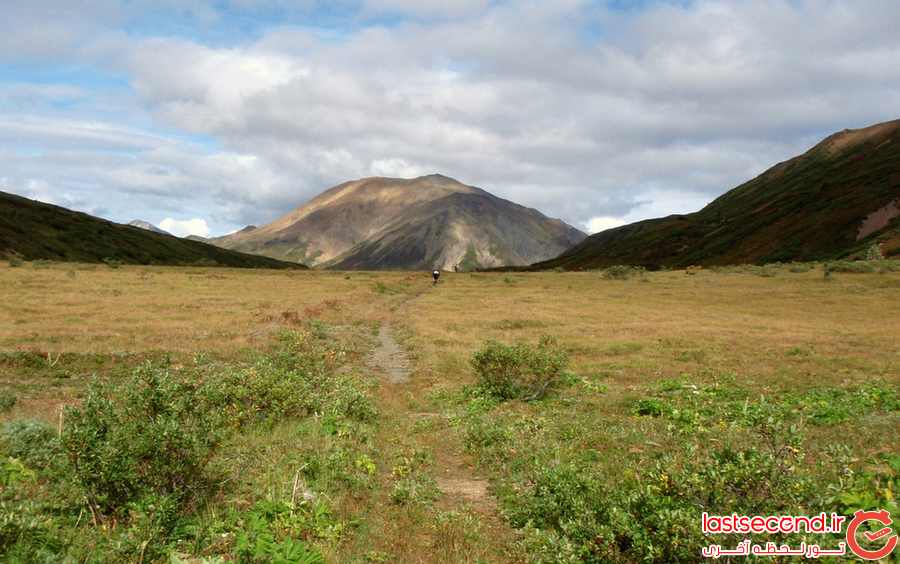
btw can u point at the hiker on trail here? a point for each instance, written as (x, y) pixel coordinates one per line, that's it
(435, 274)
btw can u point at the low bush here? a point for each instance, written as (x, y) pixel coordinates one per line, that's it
(15, 262)
(148, 436)
(295, 381)
(141, 470)
(33, 442)
(623, 272)
(874, 252)
(800, 267)
(571, 514)
(268, 532)
(861, 266)
(7, 401)
(519, 371)
(412, 483)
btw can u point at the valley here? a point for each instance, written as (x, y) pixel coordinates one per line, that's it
(401, 452)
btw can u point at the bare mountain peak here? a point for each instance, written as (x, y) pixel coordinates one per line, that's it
(380, 222)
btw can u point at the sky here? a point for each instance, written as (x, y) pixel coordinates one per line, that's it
(203, 116)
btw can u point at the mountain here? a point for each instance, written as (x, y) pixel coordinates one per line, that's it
(35, 230)
(147, 225)
(833, 201)
(421, 223)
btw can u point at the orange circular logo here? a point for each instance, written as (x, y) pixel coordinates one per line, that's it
(861, 517)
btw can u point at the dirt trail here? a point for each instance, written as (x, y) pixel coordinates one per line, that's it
(389, 358)
(453, 477)
(408, 534)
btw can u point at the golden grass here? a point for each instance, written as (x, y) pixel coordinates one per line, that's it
(667, 324)
(87, 308)
(792, 331)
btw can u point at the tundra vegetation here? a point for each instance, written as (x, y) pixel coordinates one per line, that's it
(169, 414)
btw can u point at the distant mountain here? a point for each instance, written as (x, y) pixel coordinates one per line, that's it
(35, 230)
(148, 226)
(833, 201)
(423, 223)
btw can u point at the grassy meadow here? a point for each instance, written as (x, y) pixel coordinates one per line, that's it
(155, 414)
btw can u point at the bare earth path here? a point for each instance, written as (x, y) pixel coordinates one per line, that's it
(461, 523)
(388, 358)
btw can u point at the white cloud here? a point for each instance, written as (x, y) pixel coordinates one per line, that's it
(396, 168)
(581, 111)
(185, 227)
(602, 223)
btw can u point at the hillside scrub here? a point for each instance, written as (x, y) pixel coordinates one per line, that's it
(863, 266)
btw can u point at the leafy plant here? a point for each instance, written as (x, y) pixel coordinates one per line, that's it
(32, 442)
(265, 535)
(12, 471)
(519, 371)
(7, 400)
(146, 436)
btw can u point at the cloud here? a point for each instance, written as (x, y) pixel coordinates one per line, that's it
(396, 168)
(602, 223)
(185, 227)
(580, 110)
(433, 8)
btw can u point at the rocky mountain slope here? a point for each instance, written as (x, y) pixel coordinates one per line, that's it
(422, 223)
(833, 201)
(35, 230)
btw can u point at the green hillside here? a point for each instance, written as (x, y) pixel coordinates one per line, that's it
(35, 230)
(812, 207)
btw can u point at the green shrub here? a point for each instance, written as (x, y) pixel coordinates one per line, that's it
(7, 401)
(294, 381)
(874, 252)
(414, 488)
(112, 262)
(15, 262)
(623, 272)
(33, 442)
(519, 371)
(652, 407)
(12, 472)
(571, 514)
(850, 266)
(799, 267)
(145, 437)
(41, 263)
(266, 533)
